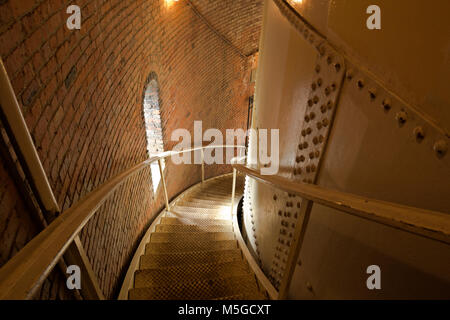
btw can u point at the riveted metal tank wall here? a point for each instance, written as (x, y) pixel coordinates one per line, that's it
(361, 111)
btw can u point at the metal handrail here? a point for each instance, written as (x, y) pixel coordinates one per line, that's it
(430, 224)
(26, 271)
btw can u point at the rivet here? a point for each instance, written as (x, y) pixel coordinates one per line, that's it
(315, 99)
(327, 91)
(323, 108)
(317, 68)
(333, 86)
(322, 51)
(325, 122)
(300, 146)
(319, 82)
(299, 262)
(349, 74)
(317, 153)
(309, 286)
(307, 118)
(321, 138)
(372, 93)
(310, 103)
(440, 148)
(303, 132)
(315, 140)
(337, 67)
(279, 213)
(319, 125)
(330, 105)
(312, 115)
(275, 197)
(419, 134)
(386, 104)
(313, 86)
(360, 84)
(311, 155)
(305, 144)
(401, 118)
(308, 130)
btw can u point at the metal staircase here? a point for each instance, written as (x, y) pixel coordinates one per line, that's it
(193, 252)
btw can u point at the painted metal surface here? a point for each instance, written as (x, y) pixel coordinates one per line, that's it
(384, 143)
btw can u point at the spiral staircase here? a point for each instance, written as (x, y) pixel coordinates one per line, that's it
(193, 252)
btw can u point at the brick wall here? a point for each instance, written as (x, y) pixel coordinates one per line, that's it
(81, 94)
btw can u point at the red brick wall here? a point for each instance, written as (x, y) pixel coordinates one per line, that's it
(81, 95)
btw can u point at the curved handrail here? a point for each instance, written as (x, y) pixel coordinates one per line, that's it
(427, 223)
(22, 274)
(259, 273)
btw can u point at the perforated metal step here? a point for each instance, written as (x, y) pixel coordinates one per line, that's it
(191, 207)
(178, 219)
(193, 228)
(201, 202)
(190, 236)
(189, 273)
(190, 246)
(162, 260)
(203, 196)
(199, 290)
(198, 214)
(193, 253)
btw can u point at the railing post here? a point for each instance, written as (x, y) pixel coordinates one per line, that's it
(233, 191)
(299, 233)
(164, 184)
(203, 165)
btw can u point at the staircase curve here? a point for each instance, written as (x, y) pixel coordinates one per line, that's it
(192, 251)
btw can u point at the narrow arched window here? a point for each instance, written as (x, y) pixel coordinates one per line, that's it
(153, 125)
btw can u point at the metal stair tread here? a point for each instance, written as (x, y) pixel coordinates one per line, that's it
(157, 260)
(199, 214)
(199, 290)
(179, 220)
(193, 228)
(164, 237)
(188, 273)
(189, 246)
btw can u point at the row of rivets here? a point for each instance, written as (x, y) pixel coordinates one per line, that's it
(440, 147)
